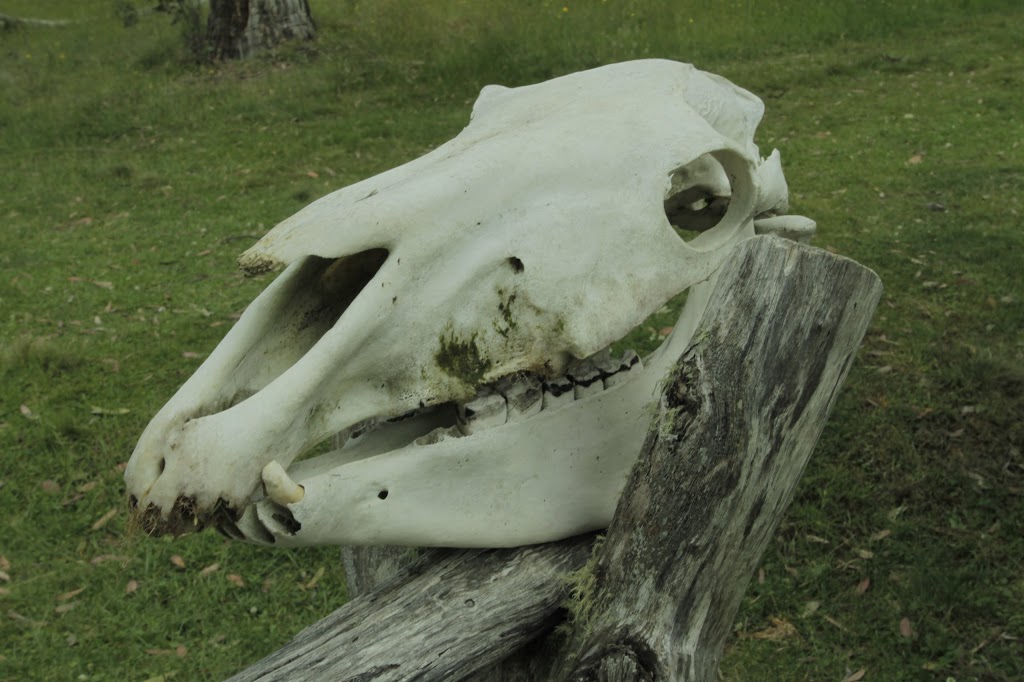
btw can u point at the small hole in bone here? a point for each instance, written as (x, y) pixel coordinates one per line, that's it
(517, 265)
(162, 465)
(383, 495)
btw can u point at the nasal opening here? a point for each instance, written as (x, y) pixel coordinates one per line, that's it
(315, 299)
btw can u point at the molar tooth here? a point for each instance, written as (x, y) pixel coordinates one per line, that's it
(280, 487)
(557, 392)
(629, 364)
(486, 410)
(523, 395)
(606, 364)
(586, 379)
(601, 358)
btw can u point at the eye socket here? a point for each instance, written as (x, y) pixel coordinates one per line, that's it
(698, 197)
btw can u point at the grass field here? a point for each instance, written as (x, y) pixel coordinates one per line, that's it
(131, 177)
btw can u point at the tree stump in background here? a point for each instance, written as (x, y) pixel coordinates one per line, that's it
(736, 422)
(241, 28)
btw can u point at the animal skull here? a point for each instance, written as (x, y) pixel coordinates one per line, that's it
(452, 317)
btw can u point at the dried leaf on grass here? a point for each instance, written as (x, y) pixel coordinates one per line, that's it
(103, 520)
(316, 578)
(833, 621)
(863, 585)
(69, 595)
(103, 558)
(236, 580)
(131, 587)
(4, 563)
(5, 577)
(109, 411)
(178, 562)
(880, 535)
(24, 620)
(50, 486)
(212, 568)
(64, 608)
(906, 630)
(780, 629)
(857, 676)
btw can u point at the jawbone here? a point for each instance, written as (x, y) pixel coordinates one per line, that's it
(524, 472)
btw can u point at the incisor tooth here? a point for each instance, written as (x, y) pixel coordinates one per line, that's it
(280, 487)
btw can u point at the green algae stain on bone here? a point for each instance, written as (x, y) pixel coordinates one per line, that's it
(506, 322)
(460, 357)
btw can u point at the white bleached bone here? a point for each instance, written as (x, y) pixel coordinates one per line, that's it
(452, 317)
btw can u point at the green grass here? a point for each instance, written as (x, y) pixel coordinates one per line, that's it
(132, 178)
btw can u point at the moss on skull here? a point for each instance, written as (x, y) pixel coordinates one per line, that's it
(460, 357)
(506, 322)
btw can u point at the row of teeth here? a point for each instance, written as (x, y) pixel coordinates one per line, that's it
(510, 399)
(515, 398)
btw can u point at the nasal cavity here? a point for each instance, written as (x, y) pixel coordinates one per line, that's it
(698, 197)
(316, 299)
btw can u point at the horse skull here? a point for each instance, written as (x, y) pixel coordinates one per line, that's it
(452, 316)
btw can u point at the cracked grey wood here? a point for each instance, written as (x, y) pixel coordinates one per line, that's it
(738, 419)
(739, 415)
(453, 612)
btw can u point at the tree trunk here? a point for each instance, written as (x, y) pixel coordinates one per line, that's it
(241, 28)
(738, 417)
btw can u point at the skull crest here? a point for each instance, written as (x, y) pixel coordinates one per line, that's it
(452, 317)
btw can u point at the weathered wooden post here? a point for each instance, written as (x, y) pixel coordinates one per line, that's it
(736, 422)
